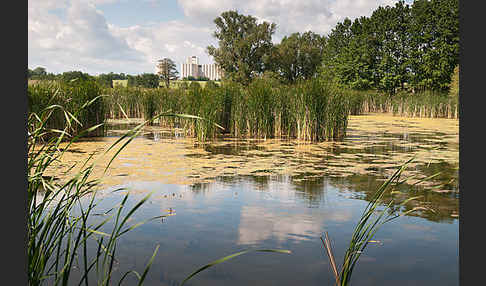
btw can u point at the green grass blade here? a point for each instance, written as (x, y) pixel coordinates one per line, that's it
(223, 259)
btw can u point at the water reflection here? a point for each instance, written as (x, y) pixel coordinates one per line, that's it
(235, 213)
(233, 194)
(258, 224)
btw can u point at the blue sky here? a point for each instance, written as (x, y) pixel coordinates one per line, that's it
(129, 36)
(129, 13)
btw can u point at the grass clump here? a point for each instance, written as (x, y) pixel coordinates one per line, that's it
(310, 110)
(59, 229)
(425, 104)
(74, 104)
(376, 214)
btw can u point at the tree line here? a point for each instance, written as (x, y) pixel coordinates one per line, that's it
(406, 45)
(148, 80)
(401, 47)
(167, 72)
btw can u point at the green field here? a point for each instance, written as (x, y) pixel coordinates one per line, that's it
(177, 83)
(121, 82)
(173, 83)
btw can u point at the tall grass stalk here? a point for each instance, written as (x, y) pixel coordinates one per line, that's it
(74, 104)
(312, 110)
(58, 222)
(375, 215)
(426, 104)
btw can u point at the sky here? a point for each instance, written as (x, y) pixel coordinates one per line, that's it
(130, 36)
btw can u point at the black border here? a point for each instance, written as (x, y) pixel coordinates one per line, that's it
(14, 119)
(471, 193)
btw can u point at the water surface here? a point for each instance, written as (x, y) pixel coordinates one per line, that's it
(228, 195)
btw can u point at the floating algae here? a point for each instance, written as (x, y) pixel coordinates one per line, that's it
(374, 145)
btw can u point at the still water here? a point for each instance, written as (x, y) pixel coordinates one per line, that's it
(230, 195)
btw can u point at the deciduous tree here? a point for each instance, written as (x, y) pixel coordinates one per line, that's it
(167, 71)
(243, 45)
(298, 56)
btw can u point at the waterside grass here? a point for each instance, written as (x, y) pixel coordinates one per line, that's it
(311, 110)
(376, 214)
(59, 228)
(73, 104)
(426, 104)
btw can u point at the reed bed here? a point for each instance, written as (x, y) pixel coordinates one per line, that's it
(425, 104)
(122, 102)
(74, 101)
(311, 110)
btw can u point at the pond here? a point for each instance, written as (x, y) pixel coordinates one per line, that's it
(229, 195)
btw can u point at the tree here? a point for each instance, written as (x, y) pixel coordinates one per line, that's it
(391, 28)
(243, 45)
(167, 71)
(107, 79)
(435, 43)
(416, 44)
(337, 57)
(72, 75)
(148, 80)
(39, 71)
(298, 56)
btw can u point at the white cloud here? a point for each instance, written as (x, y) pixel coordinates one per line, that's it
(175, 39)
(291, 16)
(74, 35)
(258, 224)
(80, 40)
(83, 40)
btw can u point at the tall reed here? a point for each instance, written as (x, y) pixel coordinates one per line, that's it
(310, 110)
(376, 214)
(427, 104)
(71, 101)
(59, 228)
(123, 102)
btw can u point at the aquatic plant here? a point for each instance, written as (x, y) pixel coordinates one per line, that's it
(312, 110)
(421, 104)
(123, 102)
(149, 103)
(59, 230)
(376, 214)
(264, 109)
(71, 105)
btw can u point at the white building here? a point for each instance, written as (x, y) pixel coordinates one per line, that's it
(194, 69)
